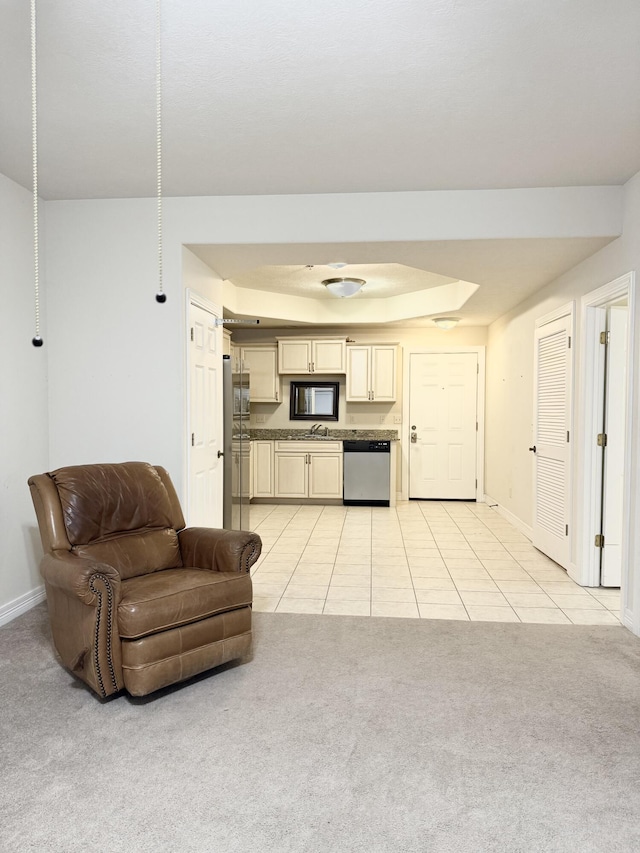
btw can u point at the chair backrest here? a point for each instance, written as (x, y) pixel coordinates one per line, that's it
(124, 514)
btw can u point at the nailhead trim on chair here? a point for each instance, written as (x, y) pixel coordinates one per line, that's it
(245, 559)
(96, 650)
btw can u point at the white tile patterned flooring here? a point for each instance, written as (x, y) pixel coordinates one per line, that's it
(420, 559)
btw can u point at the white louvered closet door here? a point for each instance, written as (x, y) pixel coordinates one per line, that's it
(553, 367)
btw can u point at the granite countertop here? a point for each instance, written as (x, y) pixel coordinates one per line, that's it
(336, 434)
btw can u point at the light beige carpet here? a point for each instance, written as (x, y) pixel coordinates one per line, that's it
(340, 734)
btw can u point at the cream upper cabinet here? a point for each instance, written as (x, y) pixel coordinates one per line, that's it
(323, 355)
(261, 362)
(371, 373)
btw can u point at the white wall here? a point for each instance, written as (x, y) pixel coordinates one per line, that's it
(509, 418)
(23, 406)
(116, 357)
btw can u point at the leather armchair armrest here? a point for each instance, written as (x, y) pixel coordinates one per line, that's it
(219, 550)
(76, 576)
(83, 597)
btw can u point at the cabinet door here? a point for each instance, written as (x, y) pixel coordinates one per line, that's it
(383, 373)
(358, 374)
(263, 374)
(291, 475)
(328, 356)
(325, 475)
(263, 485)
(294, 356)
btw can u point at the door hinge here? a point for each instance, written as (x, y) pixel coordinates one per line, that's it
(568, 436)
(602, 439)
(193, 439)
(476, 426)
(476, 484)
(478, 369)
(604, 337)
(599, 540)
(192, 333)
(566, 530)
(569, 342)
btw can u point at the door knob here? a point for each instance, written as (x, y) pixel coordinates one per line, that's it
(220, 453)
(414, 437)
(533, 449)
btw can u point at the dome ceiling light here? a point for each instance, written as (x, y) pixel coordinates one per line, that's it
(344, 287)
(446, 323)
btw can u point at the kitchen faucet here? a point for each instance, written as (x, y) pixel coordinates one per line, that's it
(315, 428)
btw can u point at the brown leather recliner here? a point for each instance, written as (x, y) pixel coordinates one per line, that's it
(136, 600)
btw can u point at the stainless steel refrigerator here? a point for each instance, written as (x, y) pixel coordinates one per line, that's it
(236, 446)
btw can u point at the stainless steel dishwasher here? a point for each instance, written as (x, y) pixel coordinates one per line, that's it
(367, 470)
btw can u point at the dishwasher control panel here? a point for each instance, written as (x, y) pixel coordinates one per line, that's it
(366, 446)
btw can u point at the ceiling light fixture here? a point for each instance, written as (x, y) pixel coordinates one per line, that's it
(446, 323)
(344, 287)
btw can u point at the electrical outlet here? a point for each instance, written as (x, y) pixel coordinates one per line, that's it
(260, 419)
(352, 419)
(397, 419)
(382, 419)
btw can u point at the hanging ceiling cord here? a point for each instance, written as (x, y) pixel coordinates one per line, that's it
(160, 295)
(36, 340)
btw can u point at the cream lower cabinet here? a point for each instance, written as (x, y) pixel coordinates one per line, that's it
(371, 374)
(263, 473)
(303, 470)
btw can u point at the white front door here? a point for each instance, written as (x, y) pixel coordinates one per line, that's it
(614, 428)
(205, 420)
(443, 409)
(552, 439)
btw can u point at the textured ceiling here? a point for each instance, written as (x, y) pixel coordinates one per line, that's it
(275, 96)
(334, 96)
(382, 280)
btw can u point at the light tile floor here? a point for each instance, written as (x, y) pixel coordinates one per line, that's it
(420, 559)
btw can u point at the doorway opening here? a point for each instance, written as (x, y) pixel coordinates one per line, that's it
(608, 380)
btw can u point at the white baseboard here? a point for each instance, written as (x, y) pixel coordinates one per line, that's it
(12, 609)
(510, 517)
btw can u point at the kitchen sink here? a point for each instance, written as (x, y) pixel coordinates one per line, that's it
(310, 437)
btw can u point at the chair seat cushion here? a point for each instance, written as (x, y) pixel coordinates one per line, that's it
(173, 597)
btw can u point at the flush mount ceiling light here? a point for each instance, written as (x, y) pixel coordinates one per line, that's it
(337, 265)
(446, 323)
(344, 287)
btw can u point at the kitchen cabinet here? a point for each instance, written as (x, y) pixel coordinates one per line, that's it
(321, 355)
(304, 470)
(261, 363)
(371, 373)
(263, 474)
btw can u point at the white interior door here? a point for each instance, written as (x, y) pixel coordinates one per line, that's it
(552, 439)
(443, 409)
(205, 420)
(614, 428)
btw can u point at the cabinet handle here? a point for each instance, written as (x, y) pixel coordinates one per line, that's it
(276, 396)
(313, 367)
